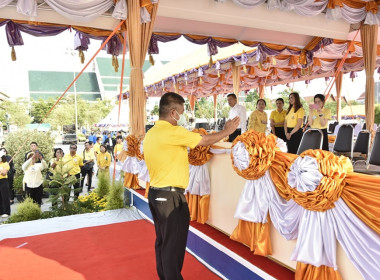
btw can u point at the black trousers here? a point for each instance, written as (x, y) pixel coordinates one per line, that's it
(87, 172)
(11, 189)
(5, 206)
(294, 141)
(35, 193)
(171, 218)
(77, 185)
(235, 134)
(325, 145)
(280, 133)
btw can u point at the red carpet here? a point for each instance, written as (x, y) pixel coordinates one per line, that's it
(111, 252)
(265, 264)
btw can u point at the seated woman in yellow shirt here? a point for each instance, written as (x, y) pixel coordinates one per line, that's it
(293, 123)
(104, 160)
(319, 118)
(258, 119)
(277, 119)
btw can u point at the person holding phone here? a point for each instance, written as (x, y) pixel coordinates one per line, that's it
(319, 118)
(33, 179)
(293, 122)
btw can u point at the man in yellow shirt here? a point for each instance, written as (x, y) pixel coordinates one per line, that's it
(165, 153)
(73, 163)
(5, 206)
(88, 165)
(117, 150)
(97, 145)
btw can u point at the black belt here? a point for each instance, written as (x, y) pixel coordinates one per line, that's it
(168, 189)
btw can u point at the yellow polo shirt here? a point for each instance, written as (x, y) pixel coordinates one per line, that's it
(73, 163)
(278, 117)
(117, 149)
(104, 159)
(89, 155)
(316, 119)
(4, 165)
(255, 121)
(165, 153)
(96, 148)
(292, 118)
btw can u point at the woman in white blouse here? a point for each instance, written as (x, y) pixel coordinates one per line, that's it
(33, 176)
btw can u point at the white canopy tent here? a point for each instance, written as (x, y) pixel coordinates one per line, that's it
(111, 122)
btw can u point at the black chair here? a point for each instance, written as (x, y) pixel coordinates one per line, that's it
(204, 125)
(344, 141)
(148, 126)
(332, 127)
(361, 146)
(374, 157)
(311, 139)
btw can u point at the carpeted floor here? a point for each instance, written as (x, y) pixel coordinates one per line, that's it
(109, 252)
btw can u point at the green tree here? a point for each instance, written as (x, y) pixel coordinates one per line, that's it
(204, 108)
(40, 108)
(155, 112)
(17, 111)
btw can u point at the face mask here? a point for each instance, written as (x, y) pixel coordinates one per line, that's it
(182, 119)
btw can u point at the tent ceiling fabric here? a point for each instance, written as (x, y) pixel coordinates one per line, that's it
(256, 68)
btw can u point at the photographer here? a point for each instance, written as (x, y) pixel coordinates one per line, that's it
(33, 176)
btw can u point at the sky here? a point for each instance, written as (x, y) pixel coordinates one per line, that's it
(55, 54)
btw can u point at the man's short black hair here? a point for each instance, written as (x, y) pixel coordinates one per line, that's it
(73, 144)
(33, 143)
(119, 137)
(232, 94)
(280, 99)
(97, 138)
(168, 101)
(87, 142)
(90, 142)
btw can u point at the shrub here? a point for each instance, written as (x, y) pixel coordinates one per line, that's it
(103, 184)
(26, 211)
(92, 202)
(19, 142)
(115, 199)
(17, 184)
(377, 114)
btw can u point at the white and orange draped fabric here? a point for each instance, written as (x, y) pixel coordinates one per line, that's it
(131, 157)
(315, 198)
(198, 190)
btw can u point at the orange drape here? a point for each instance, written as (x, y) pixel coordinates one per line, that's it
(261, 91)
(338, 86)
(138, 40)
(236, 79)
(192, 102)
(215, 103)
(310, 272)
(369, 42)
(198, 207)
(255, 235)
(131, 181)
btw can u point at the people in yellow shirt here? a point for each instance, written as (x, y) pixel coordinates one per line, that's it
(73, 163)
(277, 119)
(319, 118)
(5, 205)
(104, 160)
(119, 146)
(258, 119)
(97, 145)
(166, 157)
(88, 165)
(293, 123)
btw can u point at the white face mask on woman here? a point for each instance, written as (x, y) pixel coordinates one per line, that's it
(182, 119)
